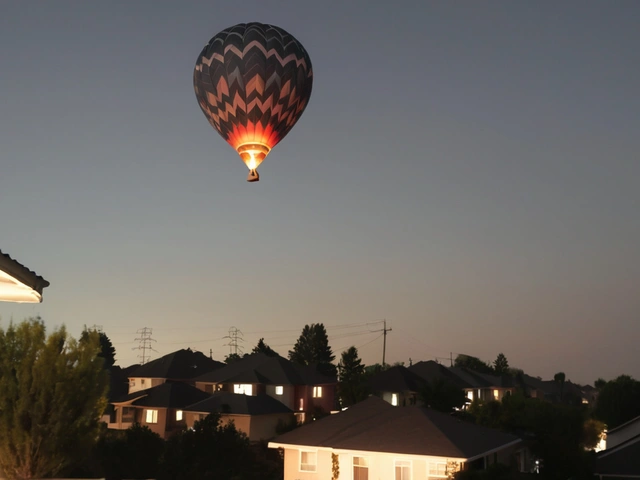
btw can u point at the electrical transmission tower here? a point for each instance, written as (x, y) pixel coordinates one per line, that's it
(145, 344)
(234, 337)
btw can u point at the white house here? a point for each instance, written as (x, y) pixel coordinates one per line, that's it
(372, 440)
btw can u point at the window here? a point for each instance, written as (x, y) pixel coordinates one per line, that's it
(142, 381)
(152, 416)
(496, 394)
(301, 404)
(403, 470)
(317, 392)
(470, 395)
(437, 470)
(360, 468)
(178, 415)
(245, 389)
(394, 399)
(308, 461)
(279, 390)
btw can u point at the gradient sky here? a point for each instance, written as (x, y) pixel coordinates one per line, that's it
(467, 170)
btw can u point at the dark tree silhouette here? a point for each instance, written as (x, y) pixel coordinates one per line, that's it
(501, 365)
(262, 347)
(351, 387)
(312, 348)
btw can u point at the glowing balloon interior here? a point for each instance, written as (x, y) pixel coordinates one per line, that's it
(253, 82)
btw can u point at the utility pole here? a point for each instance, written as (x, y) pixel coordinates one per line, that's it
(145, 344)
(451, 358)
(384, 341)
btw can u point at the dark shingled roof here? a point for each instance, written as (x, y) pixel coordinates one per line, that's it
(395, 379)
(374, 425)
(623, 459)
(261, 368)
(22, 273)
(226, 402)
(167, 395)
(180, 365)
(431, 371)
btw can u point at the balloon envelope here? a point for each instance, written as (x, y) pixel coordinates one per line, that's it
(253, 82)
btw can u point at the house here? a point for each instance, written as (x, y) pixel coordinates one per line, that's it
(182, 365)
(372, 439)
(621, 461)
(257, 416)
(483, 386)
(622, 433)
(161, 408)
(431, 371)
(301, 388)
(18, 283)
(397, 385)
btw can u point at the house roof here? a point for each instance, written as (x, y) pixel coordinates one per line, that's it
(621, 460)
(180, 365)
(482, 380)
(261, 368)
(237, 403)
(374, 425)
(395, 379)
(431, 371)
(167, 395)
(624, 425)
(18, 283)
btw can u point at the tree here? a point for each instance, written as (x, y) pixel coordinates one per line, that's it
(618, 401)
(52, 394)
(107, 350)
(559, 378)
(262, 347)
(312, 348)
(442, 395)
(233, 357)
(131, 453)
(472, 363)
(501, 365)
(351, 387)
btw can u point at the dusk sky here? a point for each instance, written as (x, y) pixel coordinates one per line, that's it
(467, 170)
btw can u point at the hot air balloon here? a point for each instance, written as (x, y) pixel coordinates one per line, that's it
(253, 81)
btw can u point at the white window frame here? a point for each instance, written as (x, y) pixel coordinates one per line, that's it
(179, 415)
(436, 475)
(243, 388)
(312, 467)
(406, 463)
(149, 412)
(366, 465)
(317, 392)
(279, 390)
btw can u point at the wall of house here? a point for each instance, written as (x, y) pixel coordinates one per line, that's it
(160, 426)
(287, 397)
(137, 383)
(263, 427)
(323, 470)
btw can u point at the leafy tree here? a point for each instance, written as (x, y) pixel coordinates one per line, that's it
(107, 350)
(442, 395)
(618, 401)
(312, 348)
(52, 394)
(559, 378)
(472, 363)
(351, 387)
(209, 451)
(233, 357)
(599, 383)
(262, 347)
(501, 365)
(131, 453)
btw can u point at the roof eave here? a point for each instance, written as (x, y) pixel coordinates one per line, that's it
(18, 283)
(493, 450)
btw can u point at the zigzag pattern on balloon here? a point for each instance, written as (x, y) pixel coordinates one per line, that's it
(253, 82)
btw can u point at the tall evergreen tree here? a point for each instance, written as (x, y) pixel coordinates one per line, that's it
(501, 365)
(312, 348)
(52, 394)
(351, 387)
(107, 350)
(262, 347)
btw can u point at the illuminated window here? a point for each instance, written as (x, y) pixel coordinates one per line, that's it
(403, 470)
(302, 404)
(152, 416)
(279, 390)
(308, 461)
(178, 415)
(437, 470)
(360, 468)
(394, 399)
(243, 388)
(496, 394)
(317, 392)
(470, 395)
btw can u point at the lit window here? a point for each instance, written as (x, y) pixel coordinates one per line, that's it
(279, 390)
(178, 415)
(403, 470)
(470, 395)
(152, 416)
(308, 461)
(301, 403)
(360, 468)
(437, 470)
(394, 399)
(496, 394)
(479, 396)
(245, 389)
(317, 392)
